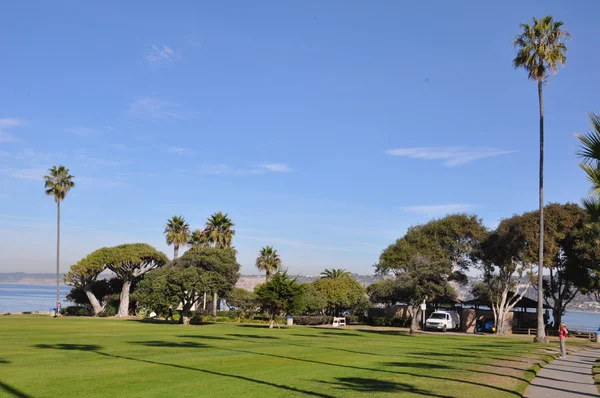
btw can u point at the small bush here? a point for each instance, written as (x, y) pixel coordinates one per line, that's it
(313, 320)
(76, 310)
(110, 310)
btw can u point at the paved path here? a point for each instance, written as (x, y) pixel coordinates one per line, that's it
(566, 378)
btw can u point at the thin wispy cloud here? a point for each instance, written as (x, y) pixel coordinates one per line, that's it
(31, 173)
(450, 156)
(224, 169)
(438, 210)
(179, 150)
(301, 244)
(93, 162)
(154, 109)
(82, 131)
(118, 147)
(160, 55)
(6, 124)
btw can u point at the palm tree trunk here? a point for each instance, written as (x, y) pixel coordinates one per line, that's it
(175, 251)
(215, 304)
(57, 256)
(541, 333)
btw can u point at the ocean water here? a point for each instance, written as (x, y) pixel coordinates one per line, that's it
(23, 298)
(582, 320)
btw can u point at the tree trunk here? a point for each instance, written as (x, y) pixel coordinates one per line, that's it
(185, 313)
(215, 304)
(541, 334)
(414, 323)
(124, 300)
(57, 256)
(96, 306)
(175, 251)
(204, 302)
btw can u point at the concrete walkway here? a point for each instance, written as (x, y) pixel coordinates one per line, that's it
(566, 378)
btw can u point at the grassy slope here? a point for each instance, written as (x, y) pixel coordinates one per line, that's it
(41, 356)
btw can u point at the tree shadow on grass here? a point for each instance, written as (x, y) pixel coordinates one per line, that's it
(364, 385)
(200, 336)
(446, 367)
(480, 357)
(257, 326)
(386, 332)
(70, 347)
(170, 344)
(95, 349)
(318, 336)
(253, 336)
(11, 391)
(340, 333)
(3, 361)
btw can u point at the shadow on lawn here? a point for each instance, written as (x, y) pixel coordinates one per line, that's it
(200, 336)
(13, 391)
(3, 361)
(253, 336)
(360, 384)
(95, 349)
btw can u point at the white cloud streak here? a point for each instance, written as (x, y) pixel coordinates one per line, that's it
(6, 124)
(24, 173)
(180, 150)
(450, 156)
(224, 169)
(82, 131)
(438, 210)
(160, 55)
(154, 109)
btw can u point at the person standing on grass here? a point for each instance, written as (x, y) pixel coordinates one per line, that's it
(170, 313)
(562, 335)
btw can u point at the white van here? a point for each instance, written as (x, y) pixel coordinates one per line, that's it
(443, 320)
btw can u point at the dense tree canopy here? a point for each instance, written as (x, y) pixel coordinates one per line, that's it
(279, 295)
(201, 270)
(341, 294)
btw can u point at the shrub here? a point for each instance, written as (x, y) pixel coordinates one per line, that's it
(313, 320)
(76, 310)
(110, 310)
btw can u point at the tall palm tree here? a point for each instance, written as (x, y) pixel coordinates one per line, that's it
(219, 229)
(268, 261)
(177, 233)
(58, 182)
(335, 273)
(199, 238)
(540, 49)
(589, 151)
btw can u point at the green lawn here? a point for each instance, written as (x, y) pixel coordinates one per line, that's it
(42, 356)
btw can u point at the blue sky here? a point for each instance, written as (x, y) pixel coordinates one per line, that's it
(322, 128)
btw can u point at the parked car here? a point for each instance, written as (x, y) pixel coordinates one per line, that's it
(443, 320)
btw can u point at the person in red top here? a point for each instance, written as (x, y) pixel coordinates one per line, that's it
(562, 335)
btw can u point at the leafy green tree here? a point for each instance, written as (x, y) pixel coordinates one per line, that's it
(128, 262)
(589, 151)
(57, 183)
(512, 250)
(335, 273)
(312, 300)
(177, 233)
(278, 296)
(241, 299)
(540, 49)
(341, 294)
(219, 229)
(383, 292)
(199, 239)
(106, 292)
(83, 275)
(184, 280)
(268, 261)
(429, 256)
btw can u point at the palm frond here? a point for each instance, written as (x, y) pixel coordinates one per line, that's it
(592, 208)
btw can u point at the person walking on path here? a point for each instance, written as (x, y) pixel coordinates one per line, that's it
(170, 313)
(562, 335)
